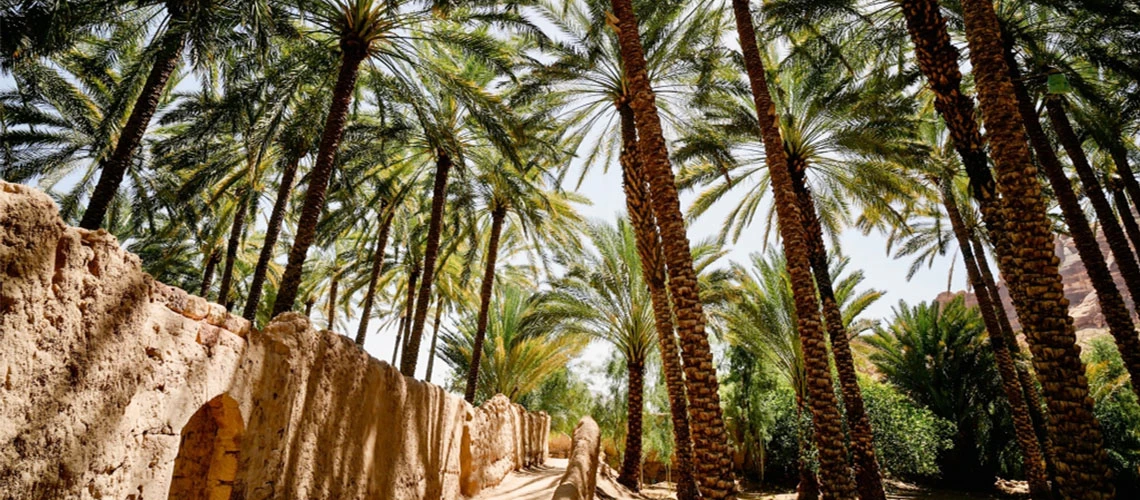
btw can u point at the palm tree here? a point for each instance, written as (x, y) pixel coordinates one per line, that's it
(1081, 466)
(61, 119)
(935, 354)
(188, 23)
(458, 114)
(1116, 313)
(302, 90)
(524, 345)
(760, 317)
(836, 480)
(710, 447)
(1000, 336)
(607, 294)
(954, 209)
(516, 196)
(588, 78)
(360, 27)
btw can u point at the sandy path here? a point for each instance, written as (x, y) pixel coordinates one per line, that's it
(532, 484)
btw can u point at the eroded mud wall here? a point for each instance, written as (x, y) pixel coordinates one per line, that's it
(115, 386)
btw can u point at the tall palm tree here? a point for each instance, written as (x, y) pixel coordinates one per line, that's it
(710, 448)
(303, 91)
(1032, 271)
(761, 315)
(515, 196)
(524, 345)
(950, 206)
(1000, 337)
(1117, 316)
(360, 27)
(589, 78)
(835, 474)
(188, 24)
(457, 117)
(606, 293)
(61, 118)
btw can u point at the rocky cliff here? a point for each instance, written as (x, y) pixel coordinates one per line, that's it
(1083, 304)
(115, 386)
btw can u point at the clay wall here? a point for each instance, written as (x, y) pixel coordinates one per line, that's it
(115, 386)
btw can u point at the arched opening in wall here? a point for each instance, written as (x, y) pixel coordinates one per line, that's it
(208, 454)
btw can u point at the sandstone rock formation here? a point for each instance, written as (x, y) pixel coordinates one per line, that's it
(1083, 304)
(115, 386)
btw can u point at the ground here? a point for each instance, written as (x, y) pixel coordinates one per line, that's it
(538, 483)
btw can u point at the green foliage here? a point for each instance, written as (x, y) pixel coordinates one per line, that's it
(938, 355)
(565, 396)
(1117, 411)
(908, 437)
(523, 346)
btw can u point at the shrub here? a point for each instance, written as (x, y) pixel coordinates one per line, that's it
(908, 438)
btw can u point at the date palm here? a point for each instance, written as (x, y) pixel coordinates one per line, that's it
(935, 354)
(183, 26)
(835, 474)
(1032, 271)
(761, 315)
(588, 76)
(1017, 220)
(710, 448)
(516, 197)
(61, 119)
(459, 118)
(524, 345)
(949, 219)
(604, 290)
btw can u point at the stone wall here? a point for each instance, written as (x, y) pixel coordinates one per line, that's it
(116, 386)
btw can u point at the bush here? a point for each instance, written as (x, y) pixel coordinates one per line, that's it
(1118, 412)
(908, 438)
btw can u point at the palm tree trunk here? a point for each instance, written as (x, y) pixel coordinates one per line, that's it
(272, 232)
(331, 316)
(868, 479)
(648, 243)
(808, 486)
(1032, 270)
(309, 307)
(374, 276)
(1119, 156)
(434, 337)
(236, 230)
(1112, 305)
(1119, 319)
(208, 273)
(399, 338)
(1126, 216)
(351, 57)
(1032, 461)
(443, 166)
(630, 475)
(165, 62)
(835, 474)
(710, 441)
(409, 307)
(498, 216)
(1028, 384)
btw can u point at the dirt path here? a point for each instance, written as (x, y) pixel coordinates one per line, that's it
(533, 484)
(539, 484)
